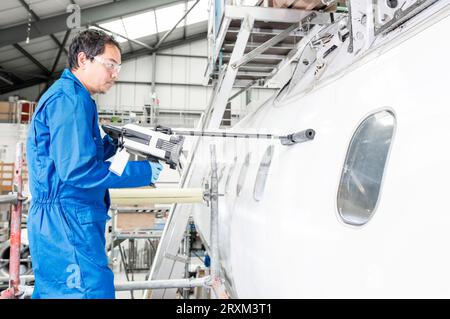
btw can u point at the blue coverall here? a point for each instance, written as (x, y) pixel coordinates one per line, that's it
(69, 180)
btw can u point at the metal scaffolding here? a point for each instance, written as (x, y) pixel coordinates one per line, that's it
(16, 199)
(212, 281)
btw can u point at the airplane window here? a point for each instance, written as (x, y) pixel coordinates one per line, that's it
(364, 166)
(261, 177)
(242, 174)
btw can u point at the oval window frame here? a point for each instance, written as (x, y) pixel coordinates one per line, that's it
(345, 220)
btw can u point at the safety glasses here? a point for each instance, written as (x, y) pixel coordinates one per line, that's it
(109, 65)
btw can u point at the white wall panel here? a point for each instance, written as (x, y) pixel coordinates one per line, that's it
(144, 69)
(179, 97)
(181, 49)
(128, 71)
(179, 70)
(142, 95)
(127, 96)
(165, 96)
(199, 48)
(197, 70)
(164, 69)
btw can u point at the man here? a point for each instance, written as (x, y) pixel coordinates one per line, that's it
(69, 176)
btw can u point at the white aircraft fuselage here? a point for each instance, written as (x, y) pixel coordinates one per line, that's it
(289, 238)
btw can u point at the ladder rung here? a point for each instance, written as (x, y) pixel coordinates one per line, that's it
(283, 46)
(260, 57)
(262, 31)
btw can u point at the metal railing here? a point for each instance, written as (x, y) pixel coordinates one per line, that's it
(165, 117)
(20, 111)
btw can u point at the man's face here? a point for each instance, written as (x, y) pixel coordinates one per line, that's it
(103, 70)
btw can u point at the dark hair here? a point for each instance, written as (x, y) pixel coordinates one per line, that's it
(92, 42)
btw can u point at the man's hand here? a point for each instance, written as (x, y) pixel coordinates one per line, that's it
(156, 169)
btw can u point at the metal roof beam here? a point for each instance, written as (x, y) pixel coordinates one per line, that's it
(90, 16)
(41, 79)
(11, 75)
(142, 44)
(166, 45)
(37, 18)
(22, 85)
(14, 74)
(32, 59)
(6, 80)
(61, 49)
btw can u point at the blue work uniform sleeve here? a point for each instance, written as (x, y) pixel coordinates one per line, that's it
(77, 152)
(109, 147)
